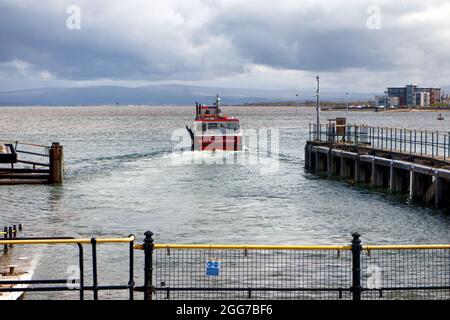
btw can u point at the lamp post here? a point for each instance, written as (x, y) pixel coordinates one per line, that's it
(317, 108)
(346, 94)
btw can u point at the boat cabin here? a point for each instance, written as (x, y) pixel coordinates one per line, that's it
(221, 124)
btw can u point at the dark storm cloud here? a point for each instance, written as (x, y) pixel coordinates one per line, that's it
(41, 39)
(157, 40)
(322, 37)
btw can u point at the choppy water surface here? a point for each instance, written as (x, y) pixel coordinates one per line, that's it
(122, 178)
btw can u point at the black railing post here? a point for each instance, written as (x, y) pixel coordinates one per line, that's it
(5, 231)
(81, 266)
(148, 268)
(94, 268)
(356, 267)
(131, 282)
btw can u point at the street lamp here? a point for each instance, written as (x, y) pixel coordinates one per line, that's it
(346, 94)
(317, 107)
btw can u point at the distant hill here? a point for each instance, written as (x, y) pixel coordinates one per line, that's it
(170, 94)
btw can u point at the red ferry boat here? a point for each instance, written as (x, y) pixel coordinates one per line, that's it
(214, 131)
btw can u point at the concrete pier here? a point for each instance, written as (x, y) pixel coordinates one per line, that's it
(399, 179)
(422, 180)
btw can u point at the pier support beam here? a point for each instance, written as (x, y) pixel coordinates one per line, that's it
(357, 168)
(330, 163)
(380, 176)
(420, 184)
(321, 162)
(310, 157)
(335, 165)
(400, 180)
(442, 191)
(363, 171)
(347, 168)
(307, 158)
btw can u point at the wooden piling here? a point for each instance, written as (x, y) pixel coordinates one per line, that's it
(56, 163)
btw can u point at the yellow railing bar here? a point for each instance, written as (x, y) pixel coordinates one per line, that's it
(243, 247)
(293, 247)
(408, 247)
(225, 246)
(68, 241)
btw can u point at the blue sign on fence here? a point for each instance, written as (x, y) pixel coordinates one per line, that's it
(212, 267)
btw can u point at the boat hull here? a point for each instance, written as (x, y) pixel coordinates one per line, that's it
(217, 143)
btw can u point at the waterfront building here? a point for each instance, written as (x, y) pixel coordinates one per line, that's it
(412, 96)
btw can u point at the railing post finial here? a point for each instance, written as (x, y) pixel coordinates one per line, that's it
(148, 265)
(148, 237)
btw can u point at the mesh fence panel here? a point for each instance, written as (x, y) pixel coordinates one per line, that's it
(252, 274)
(406, 274)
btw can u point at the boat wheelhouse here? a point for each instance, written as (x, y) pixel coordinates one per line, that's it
(213, 130)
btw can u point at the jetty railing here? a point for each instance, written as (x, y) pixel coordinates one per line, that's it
(71, 284)
(31, 162)
(208, 272)
(353, 272)
(434, 144)
(410, 272)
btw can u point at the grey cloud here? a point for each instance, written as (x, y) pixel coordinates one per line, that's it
(318, 36)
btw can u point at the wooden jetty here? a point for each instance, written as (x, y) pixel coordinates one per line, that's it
(26, 163)
(414, 162)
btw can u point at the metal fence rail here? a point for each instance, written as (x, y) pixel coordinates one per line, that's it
(66, 284)
(434, 144)
(296, 272)
(406, 272)
(208, 272)
(252, 273)
(35, 155)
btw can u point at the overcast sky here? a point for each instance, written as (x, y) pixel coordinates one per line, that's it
(359, 46)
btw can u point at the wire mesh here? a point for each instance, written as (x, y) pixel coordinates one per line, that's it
(406, 274)
(252, 274)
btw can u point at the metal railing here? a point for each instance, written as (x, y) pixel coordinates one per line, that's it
(67, 284)
(296, 272)
(434, 144)
(36, 155)
(199, 271)
(418, 272)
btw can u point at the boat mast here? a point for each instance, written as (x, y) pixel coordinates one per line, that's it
(217, 103)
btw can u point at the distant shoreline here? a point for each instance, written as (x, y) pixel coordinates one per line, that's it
(323, 108)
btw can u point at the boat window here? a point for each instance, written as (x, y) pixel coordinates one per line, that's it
(233, 125)
(204, 126)
(213, 125)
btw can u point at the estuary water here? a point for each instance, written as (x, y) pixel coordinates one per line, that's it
(123, 177)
